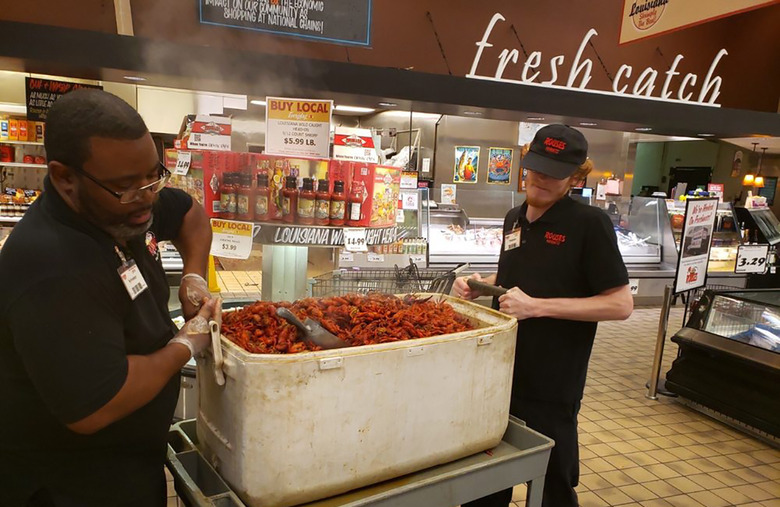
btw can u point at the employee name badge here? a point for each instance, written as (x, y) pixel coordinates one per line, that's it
(512, 239)
(131, 276)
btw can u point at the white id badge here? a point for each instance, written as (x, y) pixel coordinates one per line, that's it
(512, 239)
(132, 278)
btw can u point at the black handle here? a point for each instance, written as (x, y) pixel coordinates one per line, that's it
(485, 288)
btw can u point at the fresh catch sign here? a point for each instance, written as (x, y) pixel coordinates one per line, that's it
(668, 85)
(337, 21)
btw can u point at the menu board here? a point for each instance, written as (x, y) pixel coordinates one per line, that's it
(769, 189)
(337, 21)
(41, 94)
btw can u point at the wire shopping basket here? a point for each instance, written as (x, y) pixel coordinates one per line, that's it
(390, 280)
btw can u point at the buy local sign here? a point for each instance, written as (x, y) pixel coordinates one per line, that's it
(297, 127)
(668, 85)
(647, 18)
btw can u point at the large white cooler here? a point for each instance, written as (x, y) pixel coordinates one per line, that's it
(289, 429)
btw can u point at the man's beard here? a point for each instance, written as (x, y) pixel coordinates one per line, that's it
(124, 232)
(114, 225)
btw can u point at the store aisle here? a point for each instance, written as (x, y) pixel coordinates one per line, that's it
(638, 452)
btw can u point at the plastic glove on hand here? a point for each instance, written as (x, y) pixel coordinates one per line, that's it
(194, 290)
(196, 333)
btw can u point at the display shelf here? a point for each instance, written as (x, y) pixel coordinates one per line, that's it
(26, 143)
(22, 164)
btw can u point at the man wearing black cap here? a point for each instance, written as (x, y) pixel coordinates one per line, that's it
(561, 262)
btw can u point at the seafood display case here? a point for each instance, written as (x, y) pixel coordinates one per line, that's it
(728, 364)
(454, 237)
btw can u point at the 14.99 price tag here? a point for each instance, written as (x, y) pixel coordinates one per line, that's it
(183, 163)
(355, 239)
(231, 239)
(751, 258)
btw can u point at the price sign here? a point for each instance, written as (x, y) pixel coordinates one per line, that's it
(231, 239)
(633, 284)
(355, 239)
(417, 259)
(183, 163)
(297, 141)
(375, 257)
(297, 127)
(346, 257)
(751, 258)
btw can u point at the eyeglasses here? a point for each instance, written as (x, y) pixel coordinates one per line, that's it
(135, 194)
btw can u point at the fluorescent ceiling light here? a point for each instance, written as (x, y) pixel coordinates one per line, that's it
(588, 124)
(135, 78)
(535, 118)
(257, 102)
(354, 109)
(472, 113)
(643, 129)
(705, 135)
(388, 104)
(418, 116)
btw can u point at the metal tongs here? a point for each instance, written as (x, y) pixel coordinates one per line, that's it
(215, 327)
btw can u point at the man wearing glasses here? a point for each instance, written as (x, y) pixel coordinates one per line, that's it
(89, 357)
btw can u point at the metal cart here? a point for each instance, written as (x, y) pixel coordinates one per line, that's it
(392, 281)
(521, 457)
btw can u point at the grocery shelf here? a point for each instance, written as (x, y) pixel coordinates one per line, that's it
(26, 143)
(22, 164)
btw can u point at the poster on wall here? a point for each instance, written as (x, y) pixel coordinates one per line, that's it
(695, 244)
(523, 176)
(736, 165)
(41, 94)
(466, 164)
(297, 127)
(449, 193)
(769, 189)
(499, 166)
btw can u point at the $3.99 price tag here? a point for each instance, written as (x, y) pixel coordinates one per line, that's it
(751, 258)
(231, 239)
(183, 163)
(355, 239)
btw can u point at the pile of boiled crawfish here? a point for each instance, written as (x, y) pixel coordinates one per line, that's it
(355, 318)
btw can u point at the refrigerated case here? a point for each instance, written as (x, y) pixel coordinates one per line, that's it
(454, 237)
(729, 359)
(725, 241)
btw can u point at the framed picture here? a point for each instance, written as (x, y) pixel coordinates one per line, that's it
(521, 182)
(466, 164)
(499, 166)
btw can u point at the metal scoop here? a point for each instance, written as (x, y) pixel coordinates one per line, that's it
(313, 331)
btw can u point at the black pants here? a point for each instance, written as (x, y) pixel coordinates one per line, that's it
(559, 422)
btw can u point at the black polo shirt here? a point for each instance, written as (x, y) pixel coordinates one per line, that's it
(67, 325)
(569, 252)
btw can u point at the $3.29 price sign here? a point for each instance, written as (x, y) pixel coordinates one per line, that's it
(231, 239)
(299, 141)
(355, 239)
(751, 258)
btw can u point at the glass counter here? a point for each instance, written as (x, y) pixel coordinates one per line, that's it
(751, 317)
(454, 237)
(723, 255)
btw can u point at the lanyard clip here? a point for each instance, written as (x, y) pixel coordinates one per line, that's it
(120, 255)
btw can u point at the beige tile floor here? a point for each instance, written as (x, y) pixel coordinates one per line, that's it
(639, 452)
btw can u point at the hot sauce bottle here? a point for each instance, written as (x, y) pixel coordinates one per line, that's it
(276, 183)
(338, 204)
(354, 204)
(262, 194)
(306, 200)
(227, 196)
(322, 204)
(244, 208)
(289, 199)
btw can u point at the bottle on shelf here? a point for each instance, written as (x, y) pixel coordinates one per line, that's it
(306, 201)
(244, 194)
(338, 204)
(354, 205)
(322, 204)
(276, 182)
(262, 195)
(227, 196)
(289, 199)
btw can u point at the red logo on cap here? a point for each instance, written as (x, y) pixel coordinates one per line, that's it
(554, 145)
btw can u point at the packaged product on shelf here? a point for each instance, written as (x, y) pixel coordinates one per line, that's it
(262, 194)
(380, 187)
(228, 195)
(289, 199)
(306, 202)
(40, 128)
(23, 130)
(13, 129)
(4, 128)
(322, 204)
(244, 197)
(338, 204)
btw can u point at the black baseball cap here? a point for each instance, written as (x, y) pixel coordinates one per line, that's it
(557, 151)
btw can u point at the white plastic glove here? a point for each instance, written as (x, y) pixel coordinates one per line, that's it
(196, 334)
(192, 292)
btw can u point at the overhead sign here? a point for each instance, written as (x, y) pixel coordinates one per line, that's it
(695, 244)
(648, 18)
(667, 85)
(273, 234)
(335, 21)
(298, 127)
(231, 239)
(41, 94)
(354, 145)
